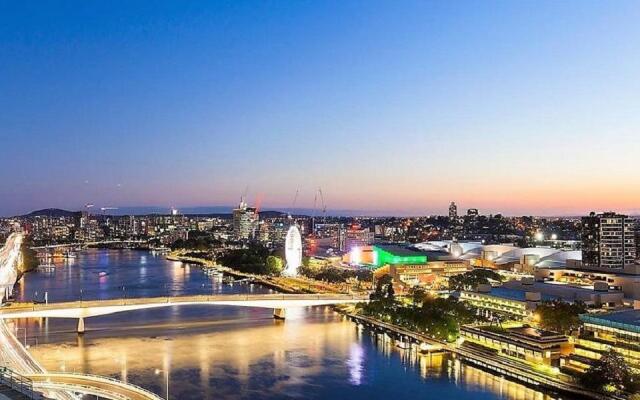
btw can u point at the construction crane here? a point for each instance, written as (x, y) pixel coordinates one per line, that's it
(315, 208)
(295, 200)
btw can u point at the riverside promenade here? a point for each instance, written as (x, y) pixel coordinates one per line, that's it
(500, 365)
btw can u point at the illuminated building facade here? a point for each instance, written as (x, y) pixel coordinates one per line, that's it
(608, 241)
(293, 251)
(245, 221)
(355, 236)
(619, 331)
(453, 211)
(411, 267)
(533, 345)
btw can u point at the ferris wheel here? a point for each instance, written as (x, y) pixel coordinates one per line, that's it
(293, 251)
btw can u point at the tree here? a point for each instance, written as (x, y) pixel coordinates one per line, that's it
(471, 279)
(29, 258)
(560, 316)
(610, 374)
(251, 260)
(274, 265)
(384, 289)
(418, 295)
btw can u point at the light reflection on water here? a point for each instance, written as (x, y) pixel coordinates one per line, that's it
(241, 353)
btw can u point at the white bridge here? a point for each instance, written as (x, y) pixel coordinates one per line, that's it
(93, 243)
(100, 386)
(93, 308)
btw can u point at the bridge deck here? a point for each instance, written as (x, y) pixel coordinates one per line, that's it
(92, 308)
(93, 385)
(29, 306)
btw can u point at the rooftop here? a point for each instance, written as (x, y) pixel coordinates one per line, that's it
(626, 320)
(515, 294)
(398, 250)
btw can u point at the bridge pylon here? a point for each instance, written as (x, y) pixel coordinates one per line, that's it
(279, 313)
(80, 329)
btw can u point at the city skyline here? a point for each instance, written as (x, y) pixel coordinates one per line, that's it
(517, 108)
(336, 199)
(306, 211)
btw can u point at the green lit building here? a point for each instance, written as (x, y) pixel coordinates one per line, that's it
(411, 267)
(394, 255)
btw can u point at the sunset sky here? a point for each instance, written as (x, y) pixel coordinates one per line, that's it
(391, 107)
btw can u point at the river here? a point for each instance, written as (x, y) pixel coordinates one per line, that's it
(212, 352)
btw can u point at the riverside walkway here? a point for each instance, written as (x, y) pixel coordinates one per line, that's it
(501, 365)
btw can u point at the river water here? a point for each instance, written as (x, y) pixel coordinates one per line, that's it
(213, 352)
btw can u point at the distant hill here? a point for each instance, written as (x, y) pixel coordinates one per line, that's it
(53, 213)
(272, 214)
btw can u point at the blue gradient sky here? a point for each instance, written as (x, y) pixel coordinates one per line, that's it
(394, 106)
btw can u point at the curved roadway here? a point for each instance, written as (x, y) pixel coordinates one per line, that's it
(91, 385)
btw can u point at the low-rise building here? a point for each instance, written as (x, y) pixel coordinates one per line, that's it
(509, 303)
(533, 345)
(411, 267)
(518, 299)
(597, 295)
(619, 331)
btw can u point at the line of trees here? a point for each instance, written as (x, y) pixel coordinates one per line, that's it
(256, 259)
(470, 280)
(335, 275)
(437, 317)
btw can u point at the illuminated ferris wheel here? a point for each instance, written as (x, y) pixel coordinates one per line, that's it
(293, 251)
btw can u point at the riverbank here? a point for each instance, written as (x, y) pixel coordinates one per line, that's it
(510, 368)
(513, 369)
(283, 284)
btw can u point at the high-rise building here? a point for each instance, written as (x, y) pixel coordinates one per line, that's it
(472, 212)
(453, 210)
(245, 221)
(608, 241)
(637, 236)
(355, 236)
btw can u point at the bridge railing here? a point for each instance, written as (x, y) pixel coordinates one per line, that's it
(201, 298)
(100, 378)
(19, 383)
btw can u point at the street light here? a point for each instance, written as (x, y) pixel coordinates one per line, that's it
(166, 374)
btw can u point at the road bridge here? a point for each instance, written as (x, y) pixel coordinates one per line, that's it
(94, 243)
(10, 258)
(92, 385)
(93, 308)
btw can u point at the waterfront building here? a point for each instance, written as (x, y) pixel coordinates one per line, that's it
(608, 241)
(535, 346)
(504, 303)
(619, 331)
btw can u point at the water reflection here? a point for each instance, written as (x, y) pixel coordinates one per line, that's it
(314, 354)
(209, 352)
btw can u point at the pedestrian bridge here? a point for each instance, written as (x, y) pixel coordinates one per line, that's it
(93, 308)
(92, 385)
